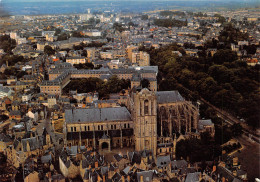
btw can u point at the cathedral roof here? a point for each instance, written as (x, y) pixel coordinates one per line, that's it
(96, 114)
(169, 97)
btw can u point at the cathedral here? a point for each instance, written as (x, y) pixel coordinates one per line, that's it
(150, 121)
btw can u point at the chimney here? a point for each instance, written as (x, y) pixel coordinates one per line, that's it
(110, 174)
(49, 176)
(200, 177)
(96, 164)
(141, 179)
(99, 178)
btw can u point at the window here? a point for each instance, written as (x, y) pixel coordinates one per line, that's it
(98, 127)
(146, 104)
(101, 127)
(85, 128)
(128, 125)
(124, 125)
(112, 127)
(74, 128)
(88, 128)
(71, 129)
(115, 127)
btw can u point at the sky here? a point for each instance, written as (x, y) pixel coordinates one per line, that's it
(115, 0)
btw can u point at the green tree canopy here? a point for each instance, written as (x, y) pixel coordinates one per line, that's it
(48, 50)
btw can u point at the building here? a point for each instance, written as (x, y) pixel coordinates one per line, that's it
(5, 92)
(149, 122)
(141, 58)
(76, 60)
(206, 126)
(99, 127)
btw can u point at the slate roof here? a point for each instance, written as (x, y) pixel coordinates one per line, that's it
(147, 176)
(96, 114)
(5, 138)
(118, 157)
(73, 150)
(4, 89)
(46, 158)
(116, 177)
(163, 161)
(169, 97)
(179, 164)
(203, 123)
(15, 113)
(33, 143)
(193, 177)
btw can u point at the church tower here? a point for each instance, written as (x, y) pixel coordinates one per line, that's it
(145, 120)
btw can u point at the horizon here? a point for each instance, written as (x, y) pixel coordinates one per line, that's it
(10, 1)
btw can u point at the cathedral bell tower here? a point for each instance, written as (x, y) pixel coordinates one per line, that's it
(145, 121)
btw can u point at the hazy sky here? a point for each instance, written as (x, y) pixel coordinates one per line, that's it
(113, 0)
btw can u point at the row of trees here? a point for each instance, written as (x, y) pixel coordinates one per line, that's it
(171, 13)
(113, 85)
(221, 79)
(170, 23)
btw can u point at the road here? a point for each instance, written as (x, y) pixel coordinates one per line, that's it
(46, 123)
(230, 120)
(249, 158)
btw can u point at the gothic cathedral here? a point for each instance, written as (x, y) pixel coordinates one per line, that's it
(144, 114)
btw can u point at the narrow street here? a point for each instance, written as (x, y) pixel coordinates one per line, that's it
(46, 123)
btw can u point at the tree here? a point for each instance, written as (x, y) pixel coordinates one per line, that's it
(224, 55)
(230, 34)
(57, 31)
(63, 36)
(131, 24)
(48, 50)
(118, 27)
(236, 129)
(77, 34)
(7, 44)
(144, 17)
(145, 83)
(84, 66)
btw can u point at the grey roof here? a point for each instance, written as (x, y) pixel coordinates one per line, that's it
(96, 114)
(126, 170)
(203, 123)
(46, 158)
(163, 161)
(33, 143)
(4, 89)
(237, 180)
(5, 138)
(169, 97)
(73, 150)
(179, 164)
(193, 177)
(118, 157)
(147, 176)
(104, 170)
(116, 177)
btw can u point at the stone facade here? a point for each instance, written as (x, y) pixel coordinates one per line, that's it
(149, 122)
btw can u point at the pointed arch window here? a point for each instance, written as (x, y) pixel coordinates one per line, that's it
(146, 107)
